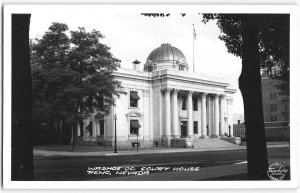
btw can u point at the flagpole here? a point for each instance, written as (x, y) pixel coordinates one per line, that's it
(193, 48)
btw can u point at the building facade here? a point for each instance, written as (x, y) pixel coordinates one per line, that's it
(164, 101)
(275, 105)
(239, 130)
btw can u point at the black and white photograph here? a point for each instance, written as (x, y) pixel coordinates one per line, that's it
(161, 94)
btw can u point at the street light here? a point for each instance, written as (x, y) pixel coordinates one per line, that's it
(137, 140)
(115, 117)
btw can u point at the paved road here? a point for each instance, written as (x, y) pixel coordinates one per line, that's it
(75, 168)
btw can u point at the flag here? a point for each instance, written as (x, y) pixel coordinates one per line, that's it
(194, 32)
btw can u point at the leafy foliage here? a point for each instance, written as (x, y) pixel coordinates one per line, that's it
(273, 40)
(72, 76)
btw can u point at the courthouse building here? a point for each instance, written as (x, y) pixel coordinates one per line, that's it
(164, 102)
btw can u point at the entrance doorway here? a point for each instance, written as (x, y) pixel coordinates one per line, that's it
(183, 129)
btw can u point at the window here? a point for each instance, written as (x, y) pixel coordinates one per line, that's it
(101, 124)
(286, 106)
(134, 99)
(273, 118)
(134, 127)
(273, 95)
(181, 68)
(195, 127)
(183, 103)
(273, 107)
(195, 104)
(285, 117)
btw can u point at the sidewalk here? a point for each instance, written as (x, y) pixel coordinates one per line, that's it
(140, 152)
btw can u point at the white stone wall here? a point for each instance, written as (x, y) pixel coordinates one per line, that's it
(157, 113)
(109, 125)
(124, 110)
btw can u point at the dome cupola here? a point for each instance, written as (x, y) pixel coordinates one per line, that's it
(166, 57)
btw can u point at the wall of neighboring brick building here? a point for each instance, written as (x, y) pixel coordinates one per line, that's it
(275, 106)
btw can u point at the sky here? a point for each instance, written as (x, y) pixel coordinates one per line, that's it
(132, 36)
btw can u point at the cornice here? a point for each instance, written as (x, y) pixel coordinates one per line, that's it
(173, 76)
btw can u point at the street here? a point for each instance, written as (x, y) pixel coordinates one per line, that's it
(60, 168)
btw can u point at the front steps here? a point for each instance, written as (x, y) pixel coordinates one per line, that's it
(213, 143)
(208, 143)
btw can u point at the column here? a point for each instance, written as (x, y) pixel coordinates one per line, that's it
(209, 112)
(216, 115)
(199, 119)
(189, 103)
(97, 127)
(222, 125)
(94, 128)
(175, 124)
(168, 113)
(78, 130)
(203, 115)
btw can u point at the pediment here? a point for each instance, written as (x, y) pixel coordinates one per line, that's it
(134, 114)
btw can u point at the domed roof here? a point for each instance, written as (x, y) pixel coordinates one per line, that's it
(166, 56)
(166, 53)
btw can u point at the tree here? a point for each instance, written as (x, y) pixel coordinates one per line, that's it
(48, 61)
(21, 136)
(273, 41)
(74, 76)
(261, 41)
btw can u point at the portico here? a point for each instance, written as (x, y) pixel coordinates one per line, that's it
(172, 121)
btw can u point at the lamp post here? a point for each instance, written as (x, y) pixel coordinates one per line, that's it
(115, 117)
(137, 140)
(225, 120)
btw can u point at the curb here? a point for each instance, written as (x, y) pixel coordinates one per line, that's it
(95, 154)
(107, 154)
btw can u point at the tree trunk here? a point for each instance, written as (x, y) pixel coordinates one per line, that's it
(21, 136)
(74, 137)
(250, 86)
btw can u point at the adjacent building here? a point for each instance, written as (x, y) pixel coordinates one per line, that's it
(275, 104)
(276, 108)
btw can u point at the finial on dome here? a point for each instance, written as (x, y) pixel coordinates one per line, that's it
(168, 44)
